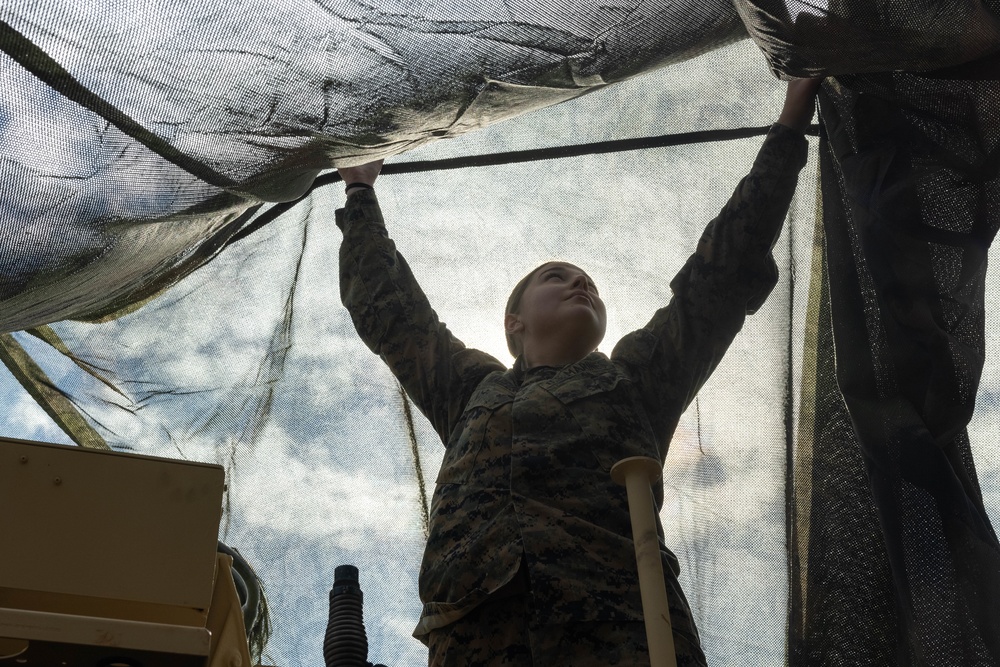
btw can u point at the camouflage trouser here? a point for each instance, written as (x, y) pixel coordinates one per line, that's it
(499, 633)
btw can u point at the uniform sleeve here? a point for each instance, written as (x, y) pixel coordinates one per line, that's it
(394, 319)
(728, 277)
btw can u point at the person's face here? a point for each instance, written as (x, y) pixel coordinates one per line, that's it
(562, 300)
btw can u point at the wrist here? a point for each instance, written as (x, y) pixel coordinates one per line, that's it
(357, 186)
(795, 126)
(796, 117)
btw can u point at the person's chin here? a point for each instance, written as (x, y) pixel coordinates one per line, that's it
(589, 325)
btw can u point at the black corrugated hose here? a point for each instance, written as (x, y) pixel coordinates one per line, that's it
(256, 619)
(346, 643)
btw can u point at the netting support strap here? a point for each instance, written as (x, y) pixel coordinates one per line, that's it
(35, 60)
(255, 222)
(45, 392)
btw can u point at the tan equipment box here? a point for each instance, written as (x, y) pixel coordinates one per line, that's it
(108, 558)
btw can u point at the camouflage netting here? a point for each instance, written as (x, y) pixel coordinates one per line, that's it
(143, 150)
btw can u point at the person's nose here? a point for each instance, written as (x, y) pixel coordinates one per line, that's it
(579, 281)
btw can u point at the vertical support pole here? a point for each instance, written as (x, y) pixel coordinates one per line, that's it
(636, 474)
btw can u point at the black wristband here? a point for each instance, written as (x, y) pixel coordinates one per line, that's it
(359, 185)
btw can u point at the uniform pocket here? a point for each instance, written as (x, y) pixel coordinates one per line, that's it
(462, 451)
(606, 408)
(469, 435)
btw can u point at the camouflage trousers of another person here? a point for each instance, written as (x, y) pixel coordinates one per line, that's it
(502, 632)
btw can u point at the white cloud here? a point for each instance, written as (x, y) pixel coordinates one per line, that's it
(26, 419)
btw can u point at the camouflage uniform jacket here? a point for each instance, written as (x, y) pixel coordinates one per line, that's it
(526, 466)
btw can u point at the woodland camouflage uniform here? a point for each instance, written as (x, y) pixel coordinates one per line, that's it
(525, 516)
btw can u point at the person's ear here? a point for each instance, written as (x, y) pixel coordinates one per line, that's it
(512, 324)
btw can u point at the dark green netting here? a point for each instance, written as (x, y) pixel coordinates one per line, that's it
(910, 199)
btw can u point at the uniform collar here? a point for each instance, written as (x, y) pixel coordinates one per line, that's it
(540, 373)
(522, 374)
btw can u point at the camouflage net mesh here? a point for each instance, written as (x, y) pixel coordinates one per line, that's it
(168, 276)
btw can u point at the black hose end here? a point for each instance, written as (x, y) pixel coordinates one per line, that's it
(345, 575)
(345, 582)
(346, 643)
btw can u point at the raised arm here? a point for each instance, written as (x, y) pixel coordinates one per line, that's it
(800, 103)
(392, 314)
(728, 277)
